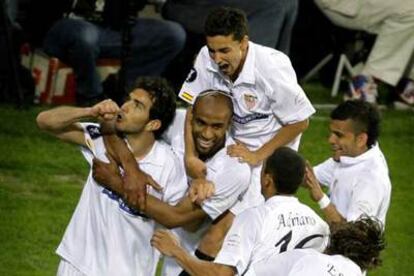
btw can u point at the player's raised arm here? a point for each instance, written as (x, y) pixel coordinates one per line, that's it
(62, 122)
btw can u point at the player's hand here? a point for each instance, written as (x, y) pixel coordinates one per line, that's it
(135, 184)
(200, 190)
(312, 183)
(105, 110)
(166, 242)
(195, 168)
(107, 174)
(243, 154)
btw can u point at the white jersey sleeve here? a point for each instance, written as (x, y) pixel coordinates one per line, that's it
(240, 241)
(289, 102)
(231, 180)
(198, 79)
(307, 262)
(92, 132)
(324, 172)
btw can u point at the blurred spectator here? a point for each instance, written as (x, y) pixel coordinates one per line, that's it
(270, 21)
(389, 59)
(93, 29)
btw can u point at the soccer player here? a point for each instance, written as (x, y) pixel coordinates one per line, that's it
(357, 174)
(270, 108)
(354, 247)
(105, 236)
(211, 119)
(282, 223)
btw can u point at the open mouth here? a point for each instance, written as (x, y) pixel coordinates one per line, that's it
(223, 67)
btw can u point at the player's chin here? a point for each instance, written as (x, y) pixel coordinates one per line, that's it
(336, 154)
(203, 150)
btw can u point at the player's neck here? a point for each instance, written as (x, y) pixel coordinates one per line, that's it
(141, 143)
(236, 74)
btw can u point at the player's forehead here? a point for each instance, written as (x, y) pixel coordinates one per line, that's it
(142, 96)
(211, 105)
(221, 41)
(342, 126)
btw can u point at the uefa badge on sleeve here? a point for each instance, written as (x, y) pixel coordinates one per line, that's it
(192, 75)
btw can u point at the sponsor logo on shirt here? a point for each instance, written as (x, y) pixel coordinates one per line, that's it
(114, 196)
(249, 118)
(250, 100)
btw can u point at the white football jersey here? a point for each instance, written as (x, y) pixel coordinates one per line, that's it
(282, 223)
(358, 185)
(105, 236)
(266, 95)
(301, 262)
(231, 180)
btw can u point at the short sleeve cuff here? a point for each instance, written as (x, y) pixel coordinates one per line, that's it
(229, 260)
(301, 115)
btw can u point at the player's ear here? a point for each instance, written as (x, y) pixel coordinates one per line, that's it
(244, 43)
(153, 125)
(362, 139)
(268, 185)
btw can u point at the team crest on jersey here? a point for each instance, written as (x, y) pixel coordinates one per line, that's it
(250, 100)
(192, 75)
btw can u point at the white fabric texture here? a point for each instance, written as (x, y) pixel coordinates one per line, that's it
(301, 262)
(358, 185)
(280, 224)
(105, 236)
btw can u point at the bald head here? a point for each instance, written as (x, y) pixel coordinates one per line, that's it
(212, 98)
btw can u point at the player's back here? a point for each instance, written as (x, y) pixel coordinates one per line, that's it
(307, 262)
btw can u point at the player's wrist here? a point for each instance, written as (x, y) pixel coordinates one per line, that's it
(324, 201)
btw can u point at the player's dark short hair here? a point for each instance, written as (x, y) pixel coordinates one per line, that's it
(217, 94)
(287, 168)
(226, 21)
(361, 241)
(365, 118)
(163, 98)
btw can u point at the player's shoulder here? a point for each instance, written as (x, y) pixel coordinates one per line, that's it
(254, 215)
(223, 161)
(269, 59)
(164, 153)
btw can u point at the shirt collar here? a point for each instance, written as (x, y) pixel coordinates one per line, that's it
(247, 74)
(276, 199)
(152, 157)
(369, 154)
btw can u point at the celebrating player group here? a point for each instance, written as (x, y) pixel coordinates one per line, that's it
(211, 189)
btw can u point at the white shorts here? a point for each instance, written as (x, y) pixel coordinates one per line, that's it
(253, 196)
(67, 269)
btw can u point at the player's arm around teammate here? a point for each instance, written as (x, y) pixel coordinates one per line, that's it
(169, 245)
